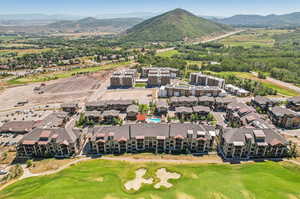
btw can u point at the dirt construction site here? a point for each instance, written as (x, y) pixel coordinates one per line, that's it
(74, 89)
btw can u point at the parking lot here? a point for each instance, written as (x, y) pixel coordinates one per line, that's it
(9, 139)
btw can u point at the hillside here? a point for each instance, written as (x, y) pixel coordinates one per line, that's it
(93, 24)
(286, 20)
(175, 25)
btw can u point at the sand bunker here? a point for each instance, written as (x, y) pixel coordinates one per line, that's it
(164, 176)
(136, 184)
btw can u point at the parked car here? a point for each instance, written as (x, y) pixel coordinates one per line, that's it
(3, 172)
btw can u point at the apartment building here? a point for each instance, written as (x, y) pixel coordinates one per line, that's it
(120, 105)
(156, 138)
(124, 79)
(163, 70)
(245, 143)
(158, 78)
(45, 143)
(206, 80)
(284, 118)
(188, 90)
(234, 90)
(263, 103)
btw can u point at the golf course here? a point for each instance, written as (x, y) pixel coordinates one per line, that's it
(105, 179)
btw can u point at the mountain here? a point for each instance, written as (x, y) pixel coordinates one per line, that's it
(143, 15)
(175, 25)
(38, 17)
(91, 24)
(286, 20)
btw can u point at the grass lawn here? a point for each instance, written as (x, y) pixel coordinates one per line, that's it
(140, 85)
(97, 179)
(168, 53)
(58, 75)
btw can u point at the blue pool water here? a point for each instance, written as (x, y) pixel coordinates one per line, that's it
(153, 120)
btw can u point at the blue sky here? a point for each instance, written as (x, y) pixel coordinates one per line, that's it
(98, 7)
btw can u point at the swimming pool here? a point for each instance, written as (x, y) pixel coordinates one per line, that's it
(153, 120)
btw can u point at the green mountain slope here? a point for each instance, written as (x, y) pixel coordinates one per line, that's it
(175, 25)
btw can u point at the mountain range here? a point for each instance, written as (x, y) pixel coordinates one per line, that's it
(286, 20)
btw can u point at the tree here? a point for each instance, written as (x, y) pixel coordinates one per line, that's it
(210, 117)
(143, 108)
(29, 163)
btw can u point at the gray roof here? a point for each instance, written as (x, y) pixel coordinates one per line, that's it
(238, 135)
(150, 130)
(198, 109)
(206, 99)
(92, 114)
(18, 126)
(133, 108)
(262, 100)
(295, 100)
(55, 119)
(183, 110)
(180, 129)
(226, 100)
(113, 113)
(280, 111)
(61, 135)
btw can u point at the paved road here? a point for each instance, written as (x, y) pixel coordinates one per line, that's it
(205, 41)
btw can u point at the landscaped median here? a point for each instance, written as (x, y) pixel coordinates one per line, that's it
(106, 179)
(63, 74)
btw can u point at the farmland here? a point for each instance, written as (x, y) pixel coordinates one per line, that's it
(250, 38)
(105, 179)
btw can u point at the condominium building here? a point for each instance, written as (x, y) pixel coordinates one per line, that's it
(243, 143)
(206, 80)
(156, 138)
(188, 90)
(163, 70)
(120, 105)
(284, 118)
(124, 79)
(50, 143)
(294, 103)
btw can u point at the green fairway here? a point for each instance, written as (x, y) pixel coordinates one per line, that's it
(105, 179)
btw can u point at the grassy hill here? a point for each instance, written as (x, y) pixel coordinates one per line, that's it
(175, 25)
(292, 19)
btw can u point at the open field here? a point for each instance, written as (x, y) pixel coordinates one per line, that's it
(25, 51)
(65, 74)
(280, 89)
(105, 179)
(168, 53)
(254, 37)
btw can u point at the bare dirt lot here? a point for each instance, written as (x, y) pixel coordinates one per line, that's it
(73, 89)
(144, 96)
(81, 83)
